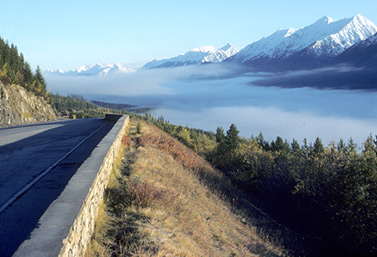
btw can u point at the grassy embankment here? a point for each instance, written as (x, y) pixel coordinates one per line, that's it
(164, 200)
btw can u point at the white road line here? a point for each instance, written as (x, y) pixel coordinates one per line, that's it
(43, 173)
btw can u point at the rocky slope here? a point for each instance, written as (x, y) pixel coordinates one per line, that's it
(17, 106)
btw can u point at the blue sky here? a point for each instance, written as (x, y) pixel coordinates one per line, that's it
(67, 34)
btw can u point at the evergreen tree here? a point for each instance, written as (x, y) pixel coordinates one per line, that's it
(278, 144)
(232, 139)
(28, 74)
(40, 82)
(220, 135)
(351, 146)
(264, 144)
(295, 146)
(14, 69)
(341, 146)
(368, 145)
(336, 186)
(14, 59)
(318, 146)
(39, 76)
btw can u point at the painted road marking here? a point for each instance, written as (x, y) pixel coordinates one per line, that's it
(43, 173)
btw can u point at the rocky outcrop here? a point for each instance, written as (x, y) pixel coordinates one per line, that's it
(18, 106)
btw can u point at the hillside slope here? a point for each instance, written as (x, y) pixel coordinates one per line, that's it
(18, 106)
(167, 201)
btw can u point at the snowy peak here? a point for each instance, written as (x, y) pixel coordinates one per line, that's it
(203, 54)
(204, 49)
(219, 55)
(289, 32)
(350, 32)
(362, 21)
(226, 47)
(325, 37)
(98, 69)
(324, 20)
(55, 71)
(362, 54)
(229, 49)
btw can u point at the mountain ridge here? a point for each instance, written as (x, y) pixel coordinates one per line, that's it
(362, 54)
(317, 45)
(98, 69)
(308, 47)
(199, 55)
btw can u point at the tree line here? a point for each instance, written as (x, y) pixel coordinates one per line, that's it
(327, 193)
(15, 70)
(75, 106)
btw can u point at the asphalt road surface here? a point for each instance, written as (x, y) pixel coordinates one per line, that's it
(28, 151)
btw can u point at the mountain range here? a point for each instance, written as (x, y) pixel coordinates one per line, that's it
(310, 47)
(362, 54)
(203, 54)
(98, 69)
(350, 41)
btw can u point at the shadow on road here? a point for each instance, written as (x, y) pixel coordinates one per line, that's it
(19, 219)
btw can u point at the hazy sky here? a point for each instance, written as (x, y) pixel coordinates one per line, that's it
(67, 34)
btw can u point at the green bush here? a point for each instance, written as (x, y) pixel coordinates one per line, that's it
(328, 193)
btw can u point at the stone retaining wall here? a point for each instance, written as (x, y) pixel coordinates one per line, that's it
(82, 229)
(67, 225)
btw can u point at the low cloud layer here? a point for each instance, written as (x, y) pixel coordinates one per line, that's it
(208, 96)
(274, 122)
(340, 77)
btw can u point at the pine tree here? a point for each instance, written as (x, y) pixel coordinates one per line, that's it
(369, 145)
(278, 144)
(351, 146)
(14, 70)
(318, 146)
(232, 139)
(13, 60)
(263, 143)
(40, 82)
(38, 76)
(295, 146)
(341, 146)
(220, 135)
(28, 74)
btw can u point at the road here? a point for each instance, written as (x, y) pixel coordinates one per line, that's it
(28, 151)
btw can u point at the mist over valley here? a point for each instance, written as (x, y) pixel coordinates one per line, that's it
(208, 96)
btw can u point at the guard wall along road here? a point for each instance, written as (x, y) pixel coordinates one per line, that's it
(66, 227)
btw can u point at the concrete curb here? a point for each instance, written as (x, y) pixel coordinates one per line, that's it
(67, 225)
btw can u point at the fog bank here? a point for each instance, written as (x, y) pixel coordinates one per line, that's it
(208, 96)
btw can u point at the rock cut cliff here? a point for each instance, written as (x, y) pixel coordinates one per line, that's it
(18, 106)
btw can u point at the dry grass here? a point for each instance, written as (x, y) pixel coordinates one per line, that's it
(166, 202)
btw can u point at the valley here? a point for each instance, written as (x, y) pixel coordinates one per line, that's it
(269, 149)
(295, 83)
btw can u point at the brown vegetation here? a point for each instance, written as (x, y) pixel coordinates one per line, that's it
(166, 201)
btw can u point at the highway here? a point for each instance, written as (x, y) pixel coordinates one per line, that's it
(36, 162)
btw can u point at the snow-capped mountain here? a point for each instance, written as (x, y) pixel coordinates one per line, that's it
(203, 54)
(362, 54)
(98, 69)
(307, 47)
